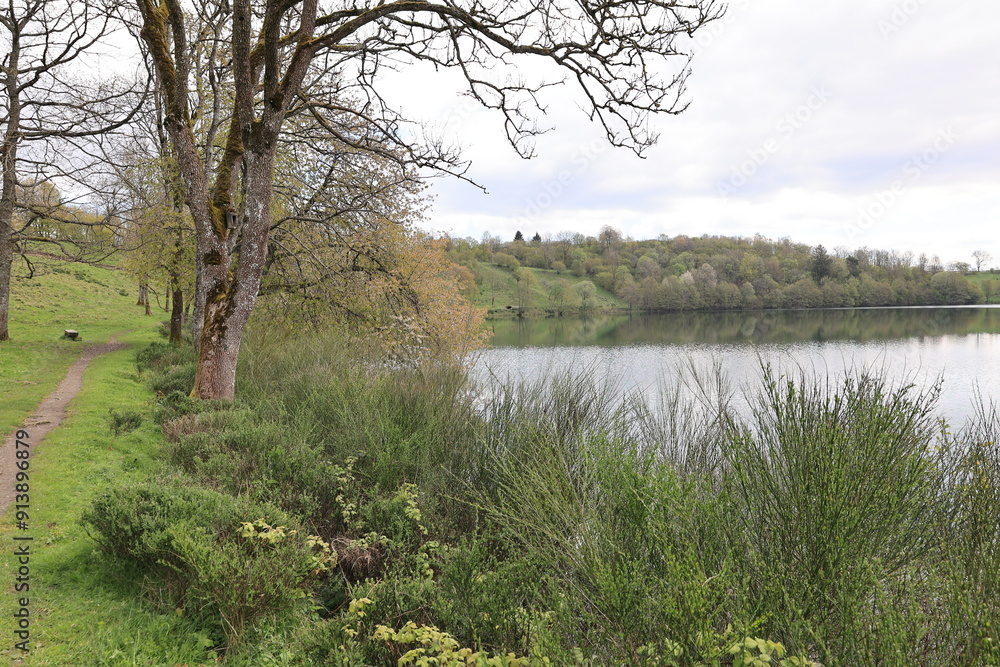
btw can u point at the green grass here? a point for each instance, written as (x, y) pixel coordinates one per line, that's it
(79, 614)
(95, 301)
(498, 289)
(82, 613)
(988, 282)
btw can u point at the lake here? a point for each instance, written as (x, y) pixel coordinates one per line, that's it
(959, 345)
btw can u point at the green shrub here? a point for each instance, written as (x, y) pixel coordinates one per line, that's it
(158, 356)
(179, 404)
(834, 488)
(178, 378)
(132, 523)
(214, 553)
(249, 572)
(240, 452)
(123, 421)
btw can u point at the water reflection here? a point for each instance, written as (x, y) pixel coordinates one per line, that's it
(788, 326)
(958, 346)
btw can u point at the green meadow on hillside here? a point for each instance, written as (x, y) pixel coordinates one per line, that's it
(500, 292)
(98, 302)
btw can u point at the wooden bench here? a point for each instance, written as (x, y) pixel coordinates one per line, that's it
(71, 334)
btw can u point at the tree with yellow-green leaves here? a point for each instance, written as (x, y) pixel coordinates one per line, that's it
(296, 58)
(344, 248)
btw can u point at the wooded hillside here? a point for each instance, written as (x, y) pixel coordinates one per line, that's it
(709, 273)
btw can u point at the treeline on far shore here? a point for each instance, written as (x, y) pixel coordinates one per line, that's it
(571, 273)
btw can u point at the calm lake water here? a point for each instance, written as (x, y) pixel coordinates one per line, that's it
(958, 345)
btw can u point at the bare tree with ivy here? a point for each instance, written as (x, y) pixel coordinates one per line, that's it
(982, 258)
(44, 101)
(629, 58)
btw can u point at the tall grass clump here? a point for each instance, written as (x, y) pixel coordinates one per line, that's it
(405, 423)
(320, 425)
(971, 538)
(836, 489)
(633, 545)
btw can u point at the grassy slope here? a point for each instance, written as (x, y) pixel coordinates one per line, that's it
(498, 289)
(80, 616)
(993, 279)
(96, 302)
(76, 618)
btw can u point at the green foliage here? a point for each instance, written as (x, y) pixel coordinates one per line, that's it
(132, 522)
(834, 521)
(123, 421)
(170, 369)
(160, 356)
(821, 264)
(249, 572)
(434, 647)
(178, 378)
(834, 488)
(711, 273)
(209, 551)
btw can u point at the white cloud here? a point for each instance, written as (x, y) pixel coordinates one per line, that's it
(892, 91)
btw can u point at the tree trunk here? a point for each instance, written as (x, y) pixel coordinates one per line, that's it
(198, 316)
(230, 300)
(177, 312)
(8, 165)
(227, 292)
(6, 260)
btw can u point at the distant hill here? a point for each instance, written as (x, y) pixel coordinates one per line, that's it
(706, 273)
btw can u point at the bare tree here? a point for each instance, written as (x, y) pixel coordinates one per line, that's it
(295, 56)
(982, 258)
(140, 185)
(41, 104)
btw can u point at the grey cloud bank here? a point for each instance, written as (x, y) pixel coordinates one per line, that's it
(810, 120)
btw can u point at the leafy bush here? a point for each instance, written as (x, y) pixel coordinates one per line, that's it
(431, 646)
(249, 573)
(159, 356)
(123, 421)
(214, 552)
(132, 523)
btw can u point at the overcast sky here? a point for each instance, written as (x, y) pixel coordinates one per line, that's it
(852, 123)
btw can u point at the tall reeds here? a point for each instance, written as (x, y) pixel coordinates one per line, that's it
(837, 515)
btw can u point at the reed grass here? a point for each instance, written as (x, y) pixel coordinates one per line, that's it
(562, 518)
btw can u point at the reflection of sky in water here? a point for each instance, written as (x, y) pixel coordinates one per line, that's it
(962, 361)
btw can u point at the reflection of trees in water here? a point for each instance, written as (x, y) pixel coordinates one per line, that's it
(787, 326)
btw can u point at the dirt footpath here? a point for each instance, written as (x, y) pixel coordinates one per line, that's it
(47, 416)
